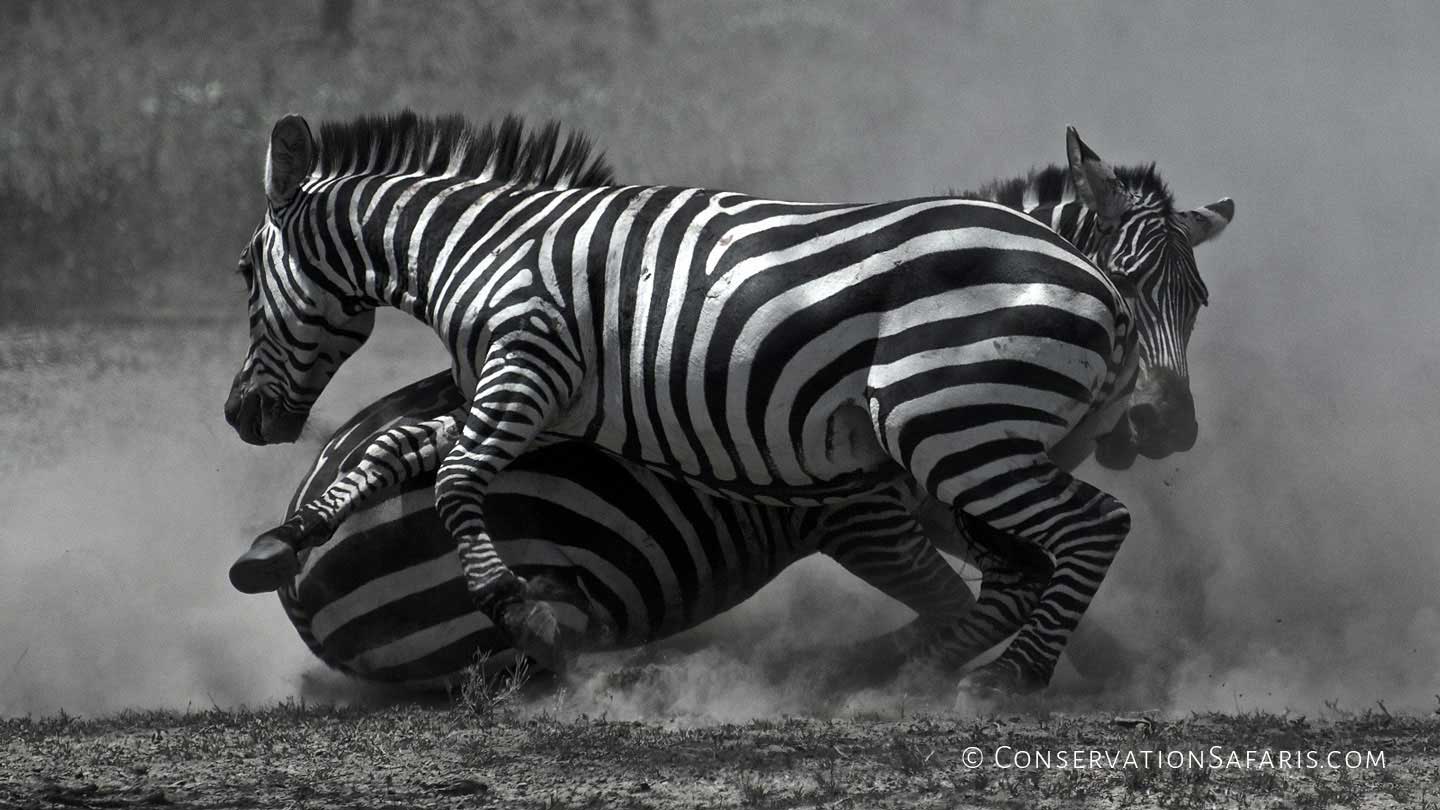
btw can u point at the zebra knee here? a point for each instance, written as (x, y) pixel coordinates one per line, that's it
(1119, 517)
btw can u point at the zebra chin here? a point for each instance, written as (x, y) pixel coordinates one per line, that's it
(1118, 449)
(260, 420)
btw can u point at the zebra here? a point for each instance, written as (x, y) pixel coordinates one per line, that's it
(394, 557)
(624, 556)
(784, 353)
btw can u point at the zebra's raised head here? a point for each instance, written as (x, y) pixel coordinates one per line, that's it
(312, 293)
(1138, 234)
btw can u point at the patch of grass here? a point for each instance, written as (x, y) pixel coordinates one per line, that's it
(1390, 785)
(829, 781)
(908, 757)
(487, 695)
(1142, 777)
(753, 792)
(1072, 783)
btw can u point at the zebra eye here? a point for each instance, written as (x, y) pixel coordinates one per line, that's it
(353, 306)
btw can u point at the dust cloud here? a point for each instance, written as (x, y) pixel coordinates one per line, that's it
(117, 521)
(1288, 560)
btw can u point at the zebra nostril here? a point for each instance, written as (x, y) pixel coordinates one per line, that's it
(1145, 418)
(232, 405)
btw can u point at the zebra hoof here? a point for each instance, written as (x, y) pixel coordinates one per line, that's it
(535, 631)
(1004, 677)
(267, 566)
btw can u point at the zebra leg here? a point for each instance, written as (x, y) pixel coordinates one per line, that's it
(881, 541)
(1012, 576)
(391, 457)
(878, 539)
(1079, 527)
(511, 407)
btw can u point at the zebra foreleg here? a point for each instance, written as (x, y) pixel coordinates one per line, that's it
(391, 457)
(513, 403)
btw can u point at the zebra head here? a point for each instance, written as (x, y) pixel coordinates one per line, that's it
(1138, 235)
(304, 320)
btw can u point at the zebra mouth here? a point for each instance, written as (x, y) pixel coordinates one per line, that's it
(262, 421)
(1117, 449)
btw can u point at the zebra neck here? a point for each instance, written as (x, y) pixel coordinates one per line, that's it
(1073, 222)
(403, 255)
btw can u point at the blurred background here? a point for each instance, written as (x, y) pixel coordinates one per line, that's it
(1289, 560)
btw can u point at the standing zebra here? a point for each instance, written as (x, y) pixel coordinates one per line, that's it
(778, 352)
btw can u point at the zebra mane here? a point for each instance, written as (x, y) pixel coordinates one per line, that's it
(450, 145)
(1051, 185)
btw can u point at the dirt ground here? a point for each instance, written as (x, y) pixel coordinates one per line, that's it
(416, 755)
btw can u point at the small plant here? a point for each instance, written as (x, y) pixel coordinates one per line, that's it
(1391, 786)
(1263, 780)
(1143, 775)
(489, 695)
(1072, 784)
(908, 758)
(829, 783)
(752, 792)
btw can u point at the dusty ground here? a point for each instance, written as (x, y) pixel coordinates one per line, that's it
(293, 755)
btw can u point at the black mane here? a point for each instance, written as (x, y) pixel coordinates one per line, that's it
(1052, 185)
(450, 145)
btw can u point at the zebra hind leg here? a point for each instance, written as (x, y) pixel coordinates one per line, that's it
(878, 539)
(1008, 595)
(1080, 528)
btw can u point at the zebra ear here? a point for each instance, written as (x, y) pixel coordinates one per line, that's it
(1204, 224)
(289, 159)
(1094, 180)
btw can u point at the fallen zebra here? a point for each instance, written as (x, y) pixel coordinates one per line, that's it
(624, 556)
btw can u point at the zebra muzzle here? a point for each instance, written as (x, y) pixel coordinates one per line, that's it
(259, 420)
(1116, 450)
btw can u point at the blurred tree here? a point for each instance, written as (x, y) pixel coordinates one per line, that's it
(133, 130)
(336, 21)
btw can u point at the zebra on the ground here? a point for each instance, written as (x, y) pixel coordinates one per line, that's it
(623, 555)
(778, 352)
